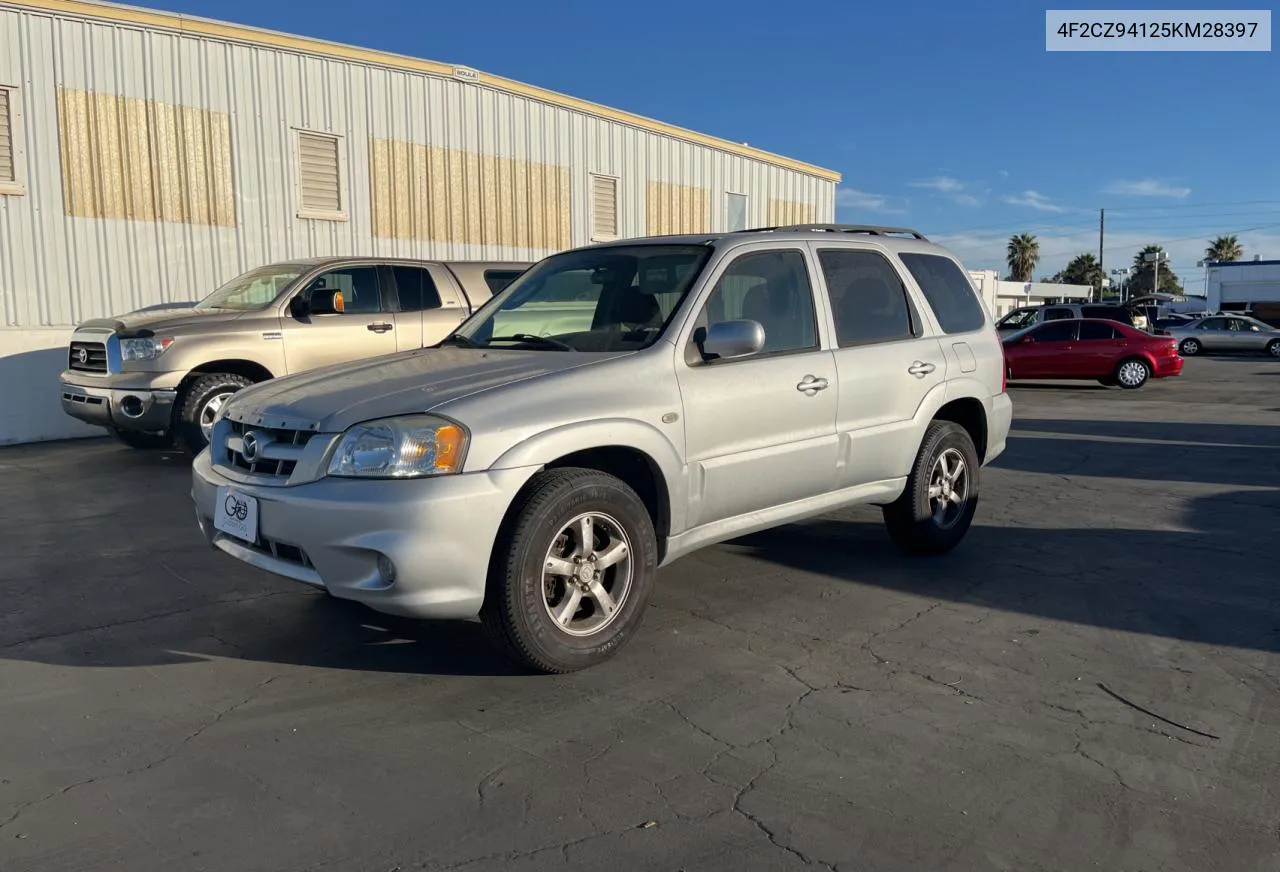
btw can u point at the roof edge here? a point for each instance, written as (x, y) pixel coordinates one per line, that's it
(208, 27)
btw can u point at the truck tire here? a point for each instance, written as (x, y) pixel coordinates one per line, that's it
(197, 405)
(571, 571)
(937, 507)
(141, 441)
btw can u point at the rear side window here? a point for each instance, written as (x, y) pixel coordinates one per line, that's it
(1058, 314)
(497, 279)
(417, 289)
(1063, 331)
(1093, 330)
(868, 301)
(948, 291)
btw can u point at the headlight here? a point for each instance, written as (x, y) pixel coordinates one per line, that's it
(144, 349)
(410, 447)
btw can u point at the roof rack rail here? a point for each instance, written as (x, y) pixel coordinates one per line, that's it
(869, 229)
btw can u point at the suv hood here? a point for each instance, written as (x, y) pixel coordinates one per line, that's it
(333, 398)
(173, 316)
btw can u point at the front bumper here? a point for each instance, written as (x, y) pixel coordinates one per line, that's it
(437, 533)
(144, 407)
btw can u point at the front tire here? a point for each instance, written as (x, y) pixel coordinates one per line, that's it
(571, 572)
(936, 510)
(1132, 374)
(1189, 347)
(199, 405)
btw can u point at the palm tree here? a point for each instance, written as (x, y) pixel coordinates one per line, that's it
(1083, 269)
(1024, 254)
(1224, 249)
(1143, 278)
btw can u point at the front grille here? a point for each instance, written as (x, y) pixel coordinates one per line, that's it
(266, 466)
(283, 551)
(87, 357)
(81, 398)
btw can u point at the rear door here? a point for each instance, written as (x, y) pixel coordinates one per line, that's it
(428, 311)
(886, 361)
(1213, 334)
(363, 329)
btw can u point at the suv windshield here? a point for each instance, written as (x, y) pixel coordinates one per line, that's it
(614, 298)
(1017, 319)
(253, 290)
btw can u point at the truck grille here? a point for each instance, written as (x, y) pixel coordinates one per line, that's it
(87, 357)
(265, 462)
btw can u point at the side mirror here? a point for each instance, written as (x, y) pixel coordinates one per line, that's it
(727, 340)
(326, 301)
(299, 308)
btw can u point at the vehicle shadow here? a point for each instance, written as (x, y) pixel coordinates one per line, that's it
(1214, 585)
(1063, 385)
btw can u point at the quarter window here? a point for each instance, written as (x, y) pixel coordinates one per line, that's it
(868, 301)
(359, 285)
(772, 288)
(947, 288)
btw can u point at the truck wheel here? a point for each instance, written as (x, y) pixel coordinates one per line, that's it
(142, 441)
(571, 571)
(199, 404)
(936, 509)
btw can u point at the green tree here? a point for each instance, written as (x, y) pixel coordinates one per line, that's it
(1023, 255)
(1083, 269)
(1140, 282)
(1225, 248)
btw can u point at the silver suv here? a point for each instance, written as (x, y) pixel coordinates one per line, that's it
(613, 409)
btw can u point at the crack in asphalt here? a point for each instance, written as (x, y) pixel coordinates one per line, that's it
(166, 757)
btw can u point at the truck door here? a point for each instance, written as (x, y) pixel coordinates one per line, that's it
(363, 329)
(429, 309)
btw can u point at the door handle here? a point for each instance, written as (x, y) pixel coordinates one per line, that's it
(811, 385)
(380, 327)
(920, 369)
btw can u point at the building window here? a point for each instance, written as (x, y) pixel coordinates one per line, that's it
(321, 176)
(735, 212)
(604, 208)
(10, 134)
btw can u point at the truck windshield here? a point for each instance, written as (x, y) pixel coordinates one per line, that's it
(251, 291)
(613, 298)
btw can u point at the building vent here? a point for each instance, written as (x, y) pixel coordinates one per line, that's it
(604, 208)
(7, 171)
(319, 174)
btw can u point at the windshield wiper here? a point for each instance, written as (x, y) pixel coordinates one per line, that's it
(529, 338)
(459, 339)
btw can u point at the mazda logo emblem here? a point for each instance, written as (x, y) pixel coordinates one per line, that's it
(249, 447)
(83, 355)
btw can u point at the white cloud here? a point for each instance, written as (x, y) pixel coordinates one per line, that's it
(1034, 200)
(967, 200)
(941, 184)
(1004, 174)
(1146, 188)
(852, 198)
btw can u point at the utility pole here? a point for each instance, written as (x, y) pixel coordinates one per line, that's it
(1102, 228)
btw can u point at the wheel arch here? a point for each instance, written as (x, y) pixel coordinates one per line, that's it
(970, 413)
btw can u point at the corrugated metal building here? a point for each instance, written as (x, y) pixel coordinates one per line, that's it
(147, 157)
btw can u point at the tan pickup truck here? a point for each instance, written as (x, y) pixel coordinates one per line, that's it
(159, 375)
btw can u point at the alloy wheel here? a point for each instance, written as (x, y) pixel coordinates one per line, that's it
(587, 574)
(948, 488)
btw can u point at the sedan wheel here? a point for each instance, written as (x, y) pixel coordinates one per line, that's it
(1273, 348)
(1190, 347)
(1132, 374)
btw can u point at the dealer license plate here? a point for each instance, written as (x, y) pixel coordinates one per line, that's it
(236, 514)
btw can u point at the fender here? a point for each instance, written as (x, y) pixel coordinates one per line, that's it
(550, 445)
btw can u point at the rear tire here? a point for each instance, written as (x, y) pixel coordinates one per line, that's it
(563, 596)
(141, 441)
(1132, 373)
(1189, 347)
(1273, 348)
(936, 510)
(198, 405)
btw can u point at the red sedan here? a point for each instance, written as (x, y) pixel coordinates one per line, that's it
(1112, 353)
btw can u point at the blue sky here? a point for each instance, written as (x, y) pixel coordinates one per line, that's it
(950, 117)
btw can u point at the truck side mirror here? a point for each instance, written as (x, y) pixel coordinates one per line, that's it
(299, 307)
(326, 301)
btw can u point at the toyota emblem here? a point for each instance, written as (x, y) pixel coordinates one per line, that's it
(83, 355)
(249, 447)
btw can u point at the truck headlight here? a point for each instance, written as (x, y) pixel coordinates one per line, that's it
(413, 446)
(144, 349)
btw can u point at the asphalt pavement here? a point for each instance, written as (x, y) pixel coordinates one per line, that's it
(1092, 681)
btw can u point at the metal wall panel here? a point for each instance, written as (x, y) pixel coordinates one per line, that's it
(514, 169)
